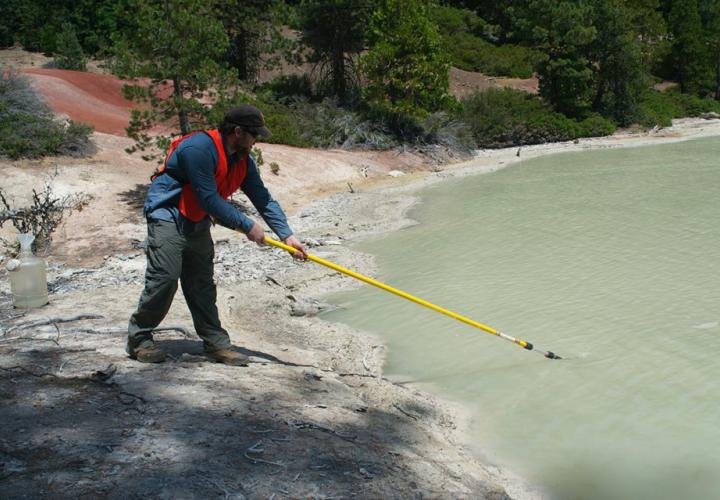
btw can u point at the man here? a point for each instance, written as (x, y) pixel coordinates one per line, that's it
(190, 192)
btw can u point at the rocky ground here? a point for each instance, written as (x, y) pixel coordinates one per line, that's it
(311, 417)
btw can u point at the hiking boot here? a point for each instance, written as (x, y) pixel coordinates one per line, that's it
(228, 357)
(152, 354)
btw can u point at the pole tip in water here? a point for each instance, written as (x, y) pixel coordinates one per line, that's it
(552, 355)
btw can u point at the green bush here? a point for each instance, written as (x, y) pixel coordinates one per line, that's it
(471, 53)
(507, 60)
(76, 141)
(29, 136)
(27, 128)
(506, 117)
(24, 135)
(659, 108)
(279, 117)
(596, 125)
(287, 88)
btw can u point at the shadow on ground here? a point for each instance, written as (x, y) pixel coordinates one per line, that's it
(135, 199)
(78, 423)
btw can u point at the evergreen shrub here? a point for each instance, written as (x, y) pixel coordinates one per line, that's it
(505, 117)
(659, 108)
(27, 127)
(69, 52)
(287, 88)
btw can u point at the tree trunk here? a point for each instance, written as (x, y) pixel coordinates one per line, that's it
(244, 55)
(338, 74)
(182, 114)
(239, 48)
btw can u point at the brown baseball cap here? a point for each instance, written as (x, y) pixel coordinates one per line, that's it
(249, 118)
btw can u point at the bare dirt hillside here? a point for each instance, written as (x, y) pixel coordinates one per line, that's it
(463, 83)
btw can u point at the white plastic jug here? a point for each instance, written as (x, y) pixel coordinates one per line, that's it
(28, 281)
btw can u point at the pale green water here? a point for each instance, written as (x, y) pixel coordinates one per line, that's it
(610, 258)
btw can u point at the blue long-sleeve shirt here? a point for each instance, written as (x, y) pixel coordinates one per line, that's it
(194, 162)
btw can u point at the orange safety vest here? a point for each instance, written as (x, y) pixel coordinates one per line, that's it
(227, 184)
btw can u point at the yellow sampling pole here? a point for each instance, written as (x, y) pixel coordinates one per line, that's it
(417, 300)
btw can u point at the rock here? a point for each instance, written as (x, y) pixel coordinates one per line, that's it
(304, 309)
(330, 242)
(396, 173)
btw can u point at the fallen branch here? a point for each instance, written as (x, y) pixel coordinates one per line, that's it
(256, 448)
(111, 331)
(116, 331)
(130, 394)
(32, 339)
(261, 431)
(302, 424)
(398, 408)
(261, 461)
(51, 321)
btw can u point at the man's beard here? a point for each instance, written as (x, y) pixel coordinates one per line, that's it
(243, 152)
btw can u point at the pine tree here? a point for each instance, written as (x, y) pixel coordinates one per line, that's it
(688, 46)
(255, 36)
(69, 52)
(406, 70)
(177, 45)
(647, 21)
(336, 31)
(564, 31)
(620, 75)
(712, 30)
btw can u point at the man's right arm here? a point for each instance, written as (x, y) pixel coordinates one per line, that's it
(199, 167)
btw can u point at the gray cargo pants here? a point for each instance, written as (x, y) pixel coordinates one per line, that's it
(172, 256)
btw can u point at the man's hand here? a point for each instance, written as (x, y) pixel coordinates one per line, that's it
(256, 234)
(301, 253)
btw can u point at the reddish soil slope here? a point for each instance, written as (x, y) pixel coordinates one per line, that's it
(85, 97)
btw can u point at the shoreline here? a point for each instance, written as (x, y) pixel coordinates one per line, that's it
(314, 399)
(366, 210)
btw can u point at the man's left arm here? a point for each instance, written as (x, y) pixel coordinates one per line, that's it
(269, 209)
